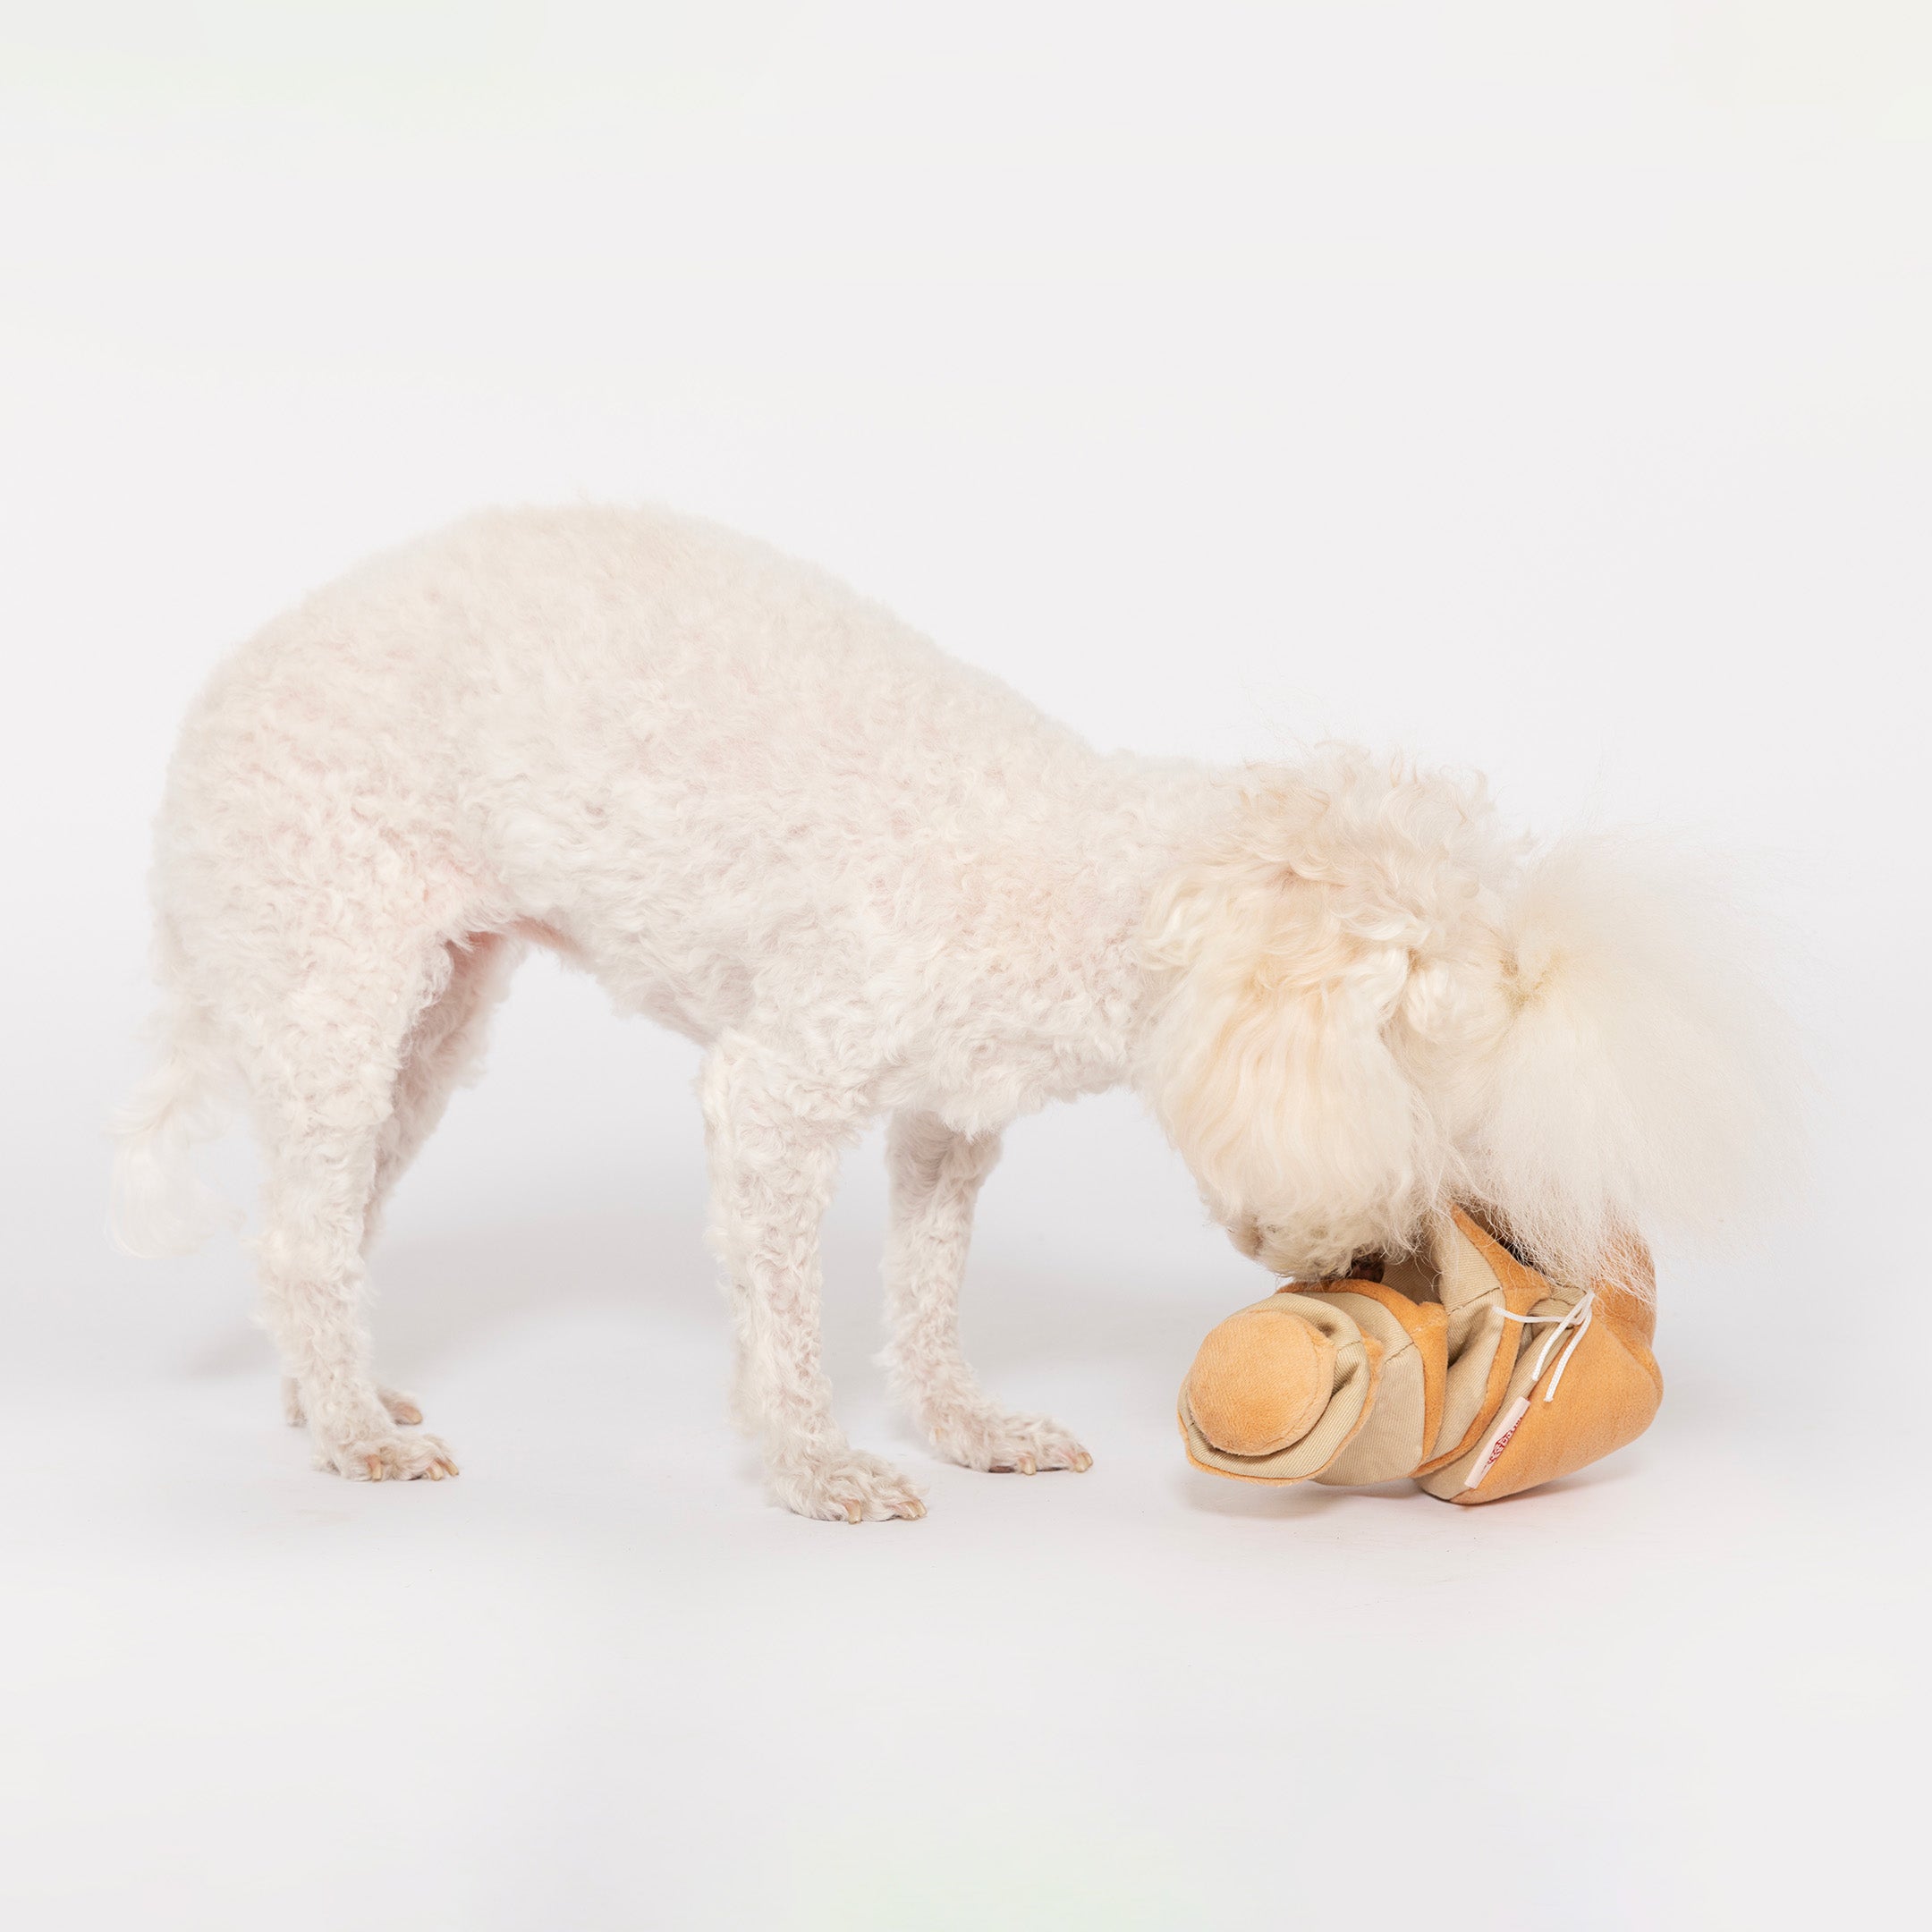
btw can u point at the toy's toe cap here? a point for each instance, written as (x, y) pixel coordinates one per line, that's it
(1260, 1381)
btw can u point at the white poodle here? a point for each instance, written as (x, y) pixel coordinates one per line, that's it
(869, 880)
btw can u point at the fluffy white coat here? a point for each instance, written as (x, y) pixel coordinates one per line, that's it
(869, 880)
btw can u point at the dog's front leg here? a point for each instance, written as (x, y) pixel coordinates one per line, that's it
(935, 1178)
(774, 1137)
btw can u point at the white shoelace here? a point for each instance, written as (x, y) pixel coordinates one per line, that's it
(1582, 1311)
(1579, 1316)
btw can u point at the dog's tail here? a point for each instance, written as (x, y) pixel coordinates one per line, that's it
(161, 1206)
(1649, 1082)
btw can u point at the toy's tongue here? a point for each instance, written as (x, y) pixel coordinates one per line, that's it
(1261, 1380)
(1277, 1390)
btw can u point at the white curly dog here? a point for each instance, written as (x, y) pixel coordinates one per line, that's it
(869, 880)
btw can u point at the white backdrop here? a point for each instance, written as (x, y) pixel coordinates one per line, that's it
(1544, 389)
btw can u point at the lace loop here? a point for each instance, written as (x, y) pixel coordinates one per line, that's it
(1578, 1314)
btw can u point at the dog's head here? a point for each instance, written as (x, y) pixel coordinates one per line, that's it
(1375, 1002)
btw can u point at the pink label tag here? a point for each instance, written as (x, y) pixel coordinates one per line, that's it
(1498, 1443)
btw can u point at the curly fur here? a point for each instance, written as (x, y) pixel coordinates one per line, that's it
(869, 880)
(1381, 1003)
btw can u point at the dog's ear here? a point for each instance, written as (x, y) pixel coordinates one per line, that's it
(1269, 1066)
(1643, 1080)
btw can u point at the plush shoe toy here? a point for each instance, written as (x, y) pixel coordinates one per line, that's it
(1463, 1369)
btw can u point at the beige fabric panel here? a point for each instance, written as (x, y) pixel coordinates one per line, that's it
(1464, 1276)
(1389, 1443)
(1358, 1370)
(1472, 1297)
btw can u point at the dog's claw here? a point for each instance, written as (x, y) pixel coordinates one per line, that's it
(989, 1438)
(846, 1486)
(1082, 1462)
(390, 1459)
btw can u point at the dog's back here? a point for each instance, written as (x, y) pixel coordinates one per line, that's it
(714, 775)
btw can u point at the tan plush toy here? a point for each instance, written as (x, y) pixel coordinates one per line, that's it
(1462, 1367)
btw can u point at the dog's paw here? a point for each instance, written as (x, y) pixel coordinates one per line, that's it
(994, 1439)
(401, 1407)
(845, 1485)
(388, 1458)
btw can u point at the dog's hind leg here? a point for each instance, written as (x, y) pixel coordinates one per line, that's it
(936, 1178)
(443, 1047)
(324, 1066)
(774, 1138)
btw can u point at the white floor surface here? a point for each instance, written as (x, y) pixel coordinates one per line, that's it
(599, 1682)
